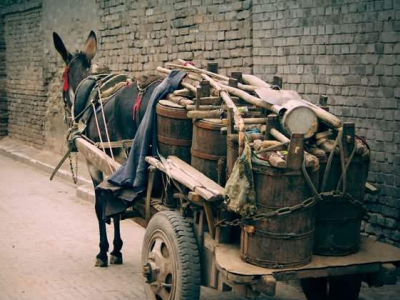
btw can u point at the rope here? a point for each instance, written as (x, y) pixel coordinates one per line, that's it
(342, 164)
(99, 132)
(105, 124)
(308, 179)
(329, 162)
(347, 166)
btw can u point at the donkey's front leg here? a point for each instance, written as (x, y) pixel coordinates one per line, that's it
(116, 255)
(97, 178)
(101, 258)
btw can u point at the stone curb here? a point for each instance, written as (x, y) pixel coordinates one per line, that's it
(84, 187)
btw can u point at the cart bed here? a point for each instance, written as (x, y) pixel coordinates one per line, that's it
(369, 259)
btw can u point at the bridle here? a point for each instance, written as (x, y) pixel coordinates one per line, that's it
(68, 102)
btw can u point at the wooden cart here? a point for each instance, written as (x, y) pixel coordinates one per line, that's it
(184, 246)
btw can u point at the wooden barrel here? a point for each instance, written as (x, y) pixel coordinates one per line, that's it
(338, 221)
(174, 130)
(209, 149)
(285, 240)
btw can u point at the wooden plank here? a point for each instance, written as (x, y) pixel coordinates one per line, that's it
(96, 157)
(369, 259)
(210, 184)
(189, 177)
(371, 189)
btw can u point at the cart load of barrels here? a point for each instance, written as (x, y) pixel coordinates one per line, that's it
(309, 169)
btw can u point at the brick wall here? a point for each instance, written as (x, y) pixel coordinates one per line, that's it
(138, 36)
(349, 50)
(25, 94)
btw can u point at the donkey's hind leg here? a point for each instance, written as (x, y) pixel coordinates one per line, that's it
(116, 255)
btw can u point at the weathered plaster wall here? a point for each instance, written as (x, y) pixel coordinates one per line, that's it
(72, 20)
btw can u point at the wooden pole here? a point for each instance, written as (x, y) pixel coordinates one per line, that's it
(255, 81)
(96, 157)
(229, 103)
(205, 114)
(223, 78)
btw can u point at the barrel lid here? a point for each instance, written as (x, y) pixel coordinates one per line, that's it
(299, 118)
(170, 104)
(211, 124)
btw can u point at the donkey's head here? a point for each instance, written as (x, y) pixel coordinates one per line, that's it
(77, 65)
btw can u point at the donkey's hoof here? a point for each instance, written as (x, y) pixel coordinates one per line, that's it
(115, 260)
(101, 263)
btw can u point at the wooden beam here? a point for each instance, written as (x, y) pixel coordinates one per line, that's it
(210, 218)
(150, 183)
(295, 152)
(96, 157)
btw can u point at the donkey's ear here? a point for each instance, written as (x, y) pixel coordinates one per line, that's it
(59, 45)
(90, 45)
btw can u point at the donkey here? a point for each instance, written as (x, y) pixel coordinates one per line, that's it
(120, 115)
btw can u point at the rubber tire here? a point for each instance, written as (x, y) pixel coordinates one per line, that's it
(180, 234)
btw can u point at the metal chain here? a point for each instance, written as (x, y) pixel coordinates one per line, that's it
(74, 173)
(347, 197)
(264, 216)
(287, 210)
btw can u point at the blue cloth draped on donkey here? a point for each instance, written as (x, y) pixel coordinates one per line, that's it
(131, 178)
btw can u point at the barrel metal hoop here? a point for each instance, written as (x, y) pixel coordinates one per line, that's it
(338, 220)
(208, 125)
(206, 156)
(275, 264)
(171, 113)
(271, 171)
(174, 142)
(283, 236)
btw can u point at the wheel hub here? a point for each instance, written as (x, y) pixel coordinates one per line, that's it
(159, 268)
(149, 272)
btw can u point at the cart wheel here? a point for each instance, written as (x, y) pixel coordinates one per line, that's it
(345, 287)
(170, 258)
(315, 288)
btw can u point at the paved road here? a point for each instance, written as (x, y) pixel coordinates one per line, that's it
(48, 241)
